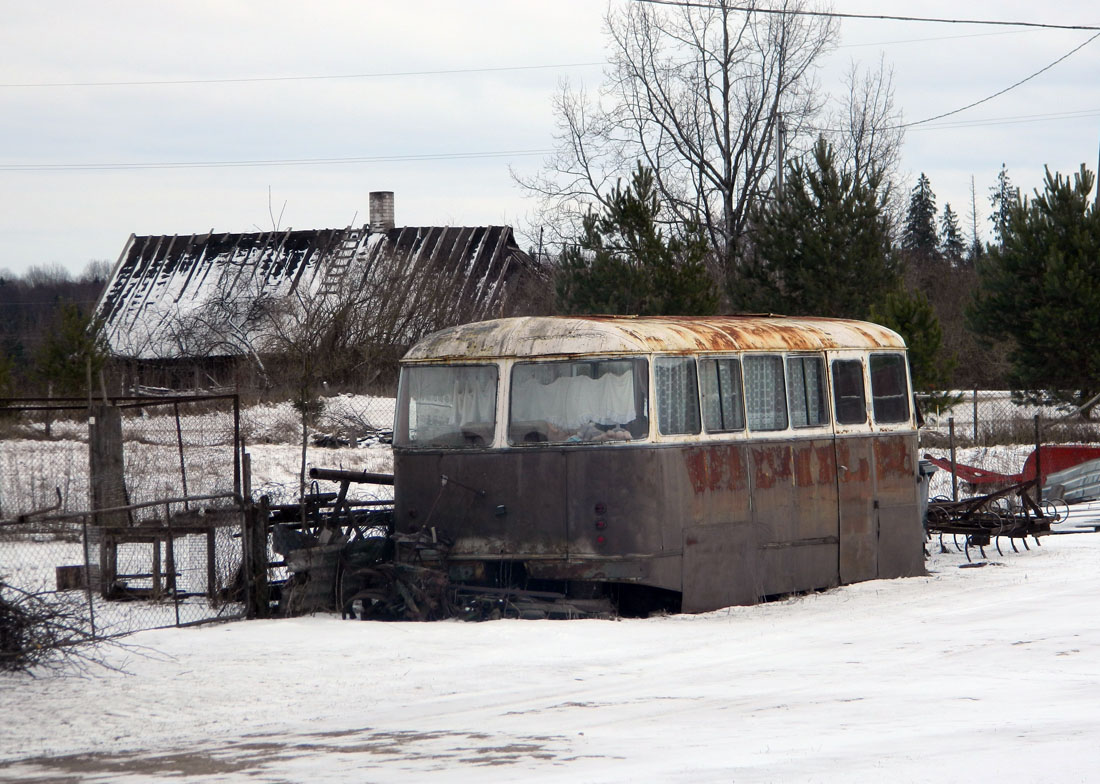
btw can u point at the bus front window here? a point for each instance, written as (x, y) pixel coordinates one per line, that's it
(446, 406)
(604, 400)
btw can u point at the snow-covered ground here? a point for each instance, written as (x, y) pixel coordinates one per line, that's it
(988, 673)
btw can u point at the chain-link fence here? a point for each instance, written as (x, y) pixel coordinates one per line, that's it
(989, 431)
(117, 580)
(133, 503)
(170, 448)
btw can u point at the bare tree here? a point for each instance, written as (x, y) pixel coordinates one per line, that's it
(866, 131)
(695, 93)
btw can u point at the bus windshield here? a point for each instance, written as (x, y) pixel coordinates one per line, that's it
(446, 406)
(579, 401)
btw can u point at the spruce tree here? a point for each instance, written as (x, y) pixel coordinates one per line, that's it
(920, 235)
(623, 263)
(952, 245)
(1002, 197)
(1040, 290)
(821, 247)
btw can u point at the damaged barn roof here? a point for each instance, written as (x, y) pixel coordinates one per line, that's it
(197, 295)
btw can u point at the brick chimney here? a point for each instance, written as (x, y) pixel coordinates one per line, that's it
(381, 211)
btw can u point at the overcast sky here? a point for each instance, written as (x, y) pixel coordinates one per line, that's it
(449, 135)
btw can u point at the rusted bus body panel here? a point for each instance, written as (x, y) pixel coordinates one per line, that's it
(723, 523)
(900, 543)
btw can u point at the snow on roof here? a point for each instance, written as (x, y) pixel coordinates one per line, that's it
(571, 335)
(162, 287)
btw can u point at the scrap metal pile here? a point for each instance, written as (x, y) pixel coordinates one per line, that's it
(1011, 513)
(345, 556)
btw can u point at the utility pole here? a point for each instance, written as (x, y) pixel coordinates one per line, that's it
(780, 151)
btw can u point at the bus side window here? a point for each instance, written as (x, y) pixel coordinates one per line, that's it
(806, 394)
(723, 404)
(765, 394)
(848, 396)
(889, 393)
(677, 396)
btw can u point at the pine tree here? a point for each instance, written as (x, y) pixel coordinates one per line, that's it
(822, 247)
(74, 345)
(1002, 197)
(952, 246)
(624, 264)
(920, 236)
(1040, 289)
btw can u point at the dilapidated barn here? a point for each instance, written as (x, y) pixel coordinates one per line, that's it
(196, 309)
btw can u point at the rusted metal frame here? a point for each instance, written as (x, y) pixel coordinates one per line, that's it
(135, 507)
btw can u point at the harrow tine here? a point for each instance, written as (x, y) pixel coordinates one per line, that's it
(1037, 542)
(967, 550)
(955, 538)
(1024, 540)
(997, 541)
(1012, 539)
(981, 549)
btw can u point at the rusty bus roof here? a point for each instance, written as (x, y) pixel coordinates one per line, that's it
(581, 335)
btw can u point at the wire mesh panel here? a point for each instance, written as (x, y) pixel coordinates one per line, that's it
(116, 581)
(133, 503)
(170, 448)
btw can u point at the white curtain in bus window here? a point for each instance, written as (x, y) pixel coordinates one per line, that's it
(806, 391)
(568, 402)
(765, 395)
(889, 392)
(451, 405)
(677, 395)
(848, 395)
(723, 406)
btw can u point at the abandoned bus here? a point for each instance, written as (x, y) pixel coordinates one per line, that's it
(705, 461)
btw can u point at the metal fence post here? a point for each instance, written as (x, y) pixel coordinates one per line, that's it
(975, 415)
(1038, 462)
(88, 577)
(954, 471)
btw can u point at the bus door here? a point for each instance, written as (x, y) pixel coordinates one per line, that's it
(854, 444)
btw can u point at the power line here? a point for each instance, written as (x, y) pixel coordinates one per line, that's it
(19, 167)
(316, 77)
(1005, 90)
(873, 17)
(1026, 118)
(928, 40)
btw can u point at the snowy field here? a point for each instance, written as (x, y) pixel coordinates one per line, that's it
(989, 673)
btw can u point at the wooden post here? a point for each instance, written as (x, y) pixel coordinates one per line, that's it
(106, 472)
(259, 595)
